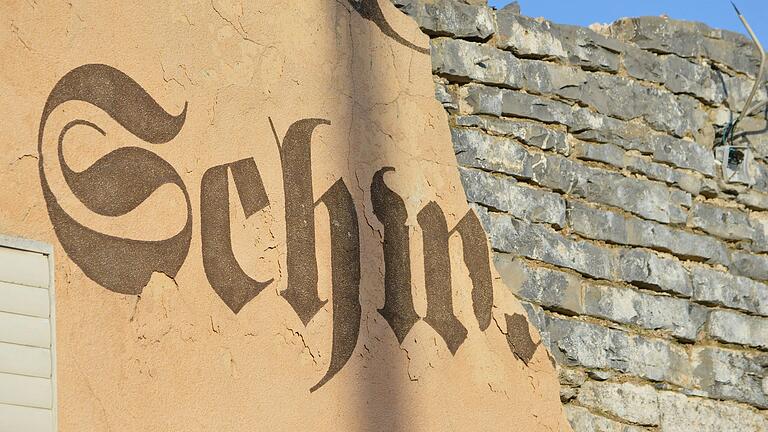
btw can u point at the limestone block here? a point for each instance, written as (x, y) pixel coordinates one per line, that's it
(737, 328)
(527, 132)
(449, 18)
(542, 244)
(688, 39)
(577, 343)
(724, 289)
(503, 193)
(727, 223)
(550, 288)
(630, 402)
(651, 271)
(583, 420)
(679, 317)
(730, 374)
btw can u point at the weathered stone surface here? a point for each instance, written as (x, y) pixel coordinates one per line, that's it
(689, 182)
(681, 197)
(681, 201)
(738, 89)
(598, 92)
(482, 214)
(688, 39)
(617, 228)
(749, 265)
(641, 164)
(648, 270)
(723, 289)
(445, 96)
(480, 99)
(527, 36)
(591, 126)
(577, 343)
(449, 18)
(503, 193)
(651, 200)
(644, 65)
(562, 291)
(684, 77)
(476, 149)
(512, 7)
(567, 393)
(468, 61)
(727, 223)
(759, 224)
(542, 39)
(728, 374)
(571, 377)
(632, 153)
(627, 401)
(597, 224)
(645, 198)
(677, 316)
(614, 155)
(550, 288)
(753, 199)
(685, 414)
(677, 74)
(583, 420)
(753, 132)
(626, 99)
(737, 328)
(530, 133)
(542, 244)
(538, 319)
(545, 78)
(710, 188)
(608, 94)
(669, 411)
(589, 49)
(516, 104)
(601, 375)
(760, 176)
(606, 153)
(682, 153)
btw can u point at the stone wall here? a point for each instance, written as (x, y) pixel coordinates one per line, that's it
(595, 159)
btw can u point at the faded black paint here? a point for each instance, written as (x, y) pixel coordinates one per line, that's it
(123, 179)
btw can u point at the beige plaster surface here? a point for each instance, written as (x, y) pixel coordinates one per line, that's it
(175, 357)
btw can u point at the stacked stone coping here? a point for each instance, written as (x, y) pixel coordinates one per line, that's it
(589, 155)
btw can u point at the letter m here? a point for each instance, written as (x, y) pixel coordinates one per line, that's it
(398, 308)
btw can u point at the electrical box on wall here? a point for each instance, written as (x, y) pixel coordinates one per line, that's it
(737, 164)
(27, 337)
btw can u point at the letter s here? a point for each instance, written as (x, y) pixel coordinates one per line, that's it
(116, 183)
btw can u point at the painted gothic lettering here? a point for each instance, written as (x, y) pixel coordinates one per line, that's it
(121, 180)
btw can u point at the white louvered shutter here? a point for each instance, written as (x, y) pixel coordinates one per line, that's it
(27, 337)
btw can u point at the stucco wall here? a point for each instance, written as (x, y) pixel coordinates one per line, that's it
(593, 159)
(257, 223)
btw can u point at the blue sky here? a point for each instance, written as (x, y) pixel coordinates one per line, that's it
(716, 13)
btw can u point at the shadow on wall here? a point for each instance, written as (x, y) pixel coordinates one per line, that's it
(380, 400)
